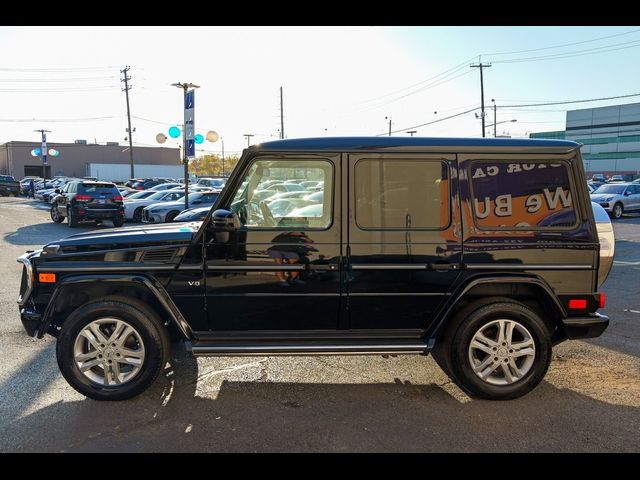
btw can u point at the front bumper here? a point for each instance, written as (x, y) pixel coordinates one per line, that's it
(153, 217)
(585, 327)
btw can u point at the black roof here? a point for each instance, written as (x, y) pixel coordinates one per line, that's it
(368, 143)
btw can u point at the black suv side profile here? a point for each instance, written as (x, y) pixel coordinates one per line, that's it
(482, 252)
(88, 200)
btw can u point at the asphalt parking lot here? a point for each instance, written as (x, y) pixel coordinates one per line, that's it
(588, 402)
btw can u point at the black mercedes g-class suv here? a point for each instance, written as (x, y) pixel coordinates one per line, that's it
(483, 252)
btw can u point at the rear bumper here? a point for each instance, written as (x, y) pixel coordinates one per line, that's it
(95, 214)
(585, 327)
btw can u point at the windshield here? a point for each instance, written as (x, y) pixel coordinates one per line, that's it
(6, 178)
(611, 189)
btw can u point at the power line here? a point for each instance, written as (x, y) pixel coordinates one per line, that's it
(61, 120)
(572, 101)
(561, 45)
(450, 71)
(430, 123)
(46, 80)
(575, 53)
(64, 69)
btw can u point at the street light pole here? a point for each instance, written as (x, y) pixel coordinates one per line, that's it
(389, 118)
(44, 153)
(411, 132)
(185, 87)
(222, 140)
(495, 121)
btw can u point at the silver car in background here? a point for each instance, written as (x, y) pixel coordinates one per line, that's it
(618, 198)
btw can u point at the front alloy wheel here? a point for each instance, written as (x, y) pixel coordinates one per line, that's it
(55, 215)
(617, 211)
(113, 348)
(109, 351)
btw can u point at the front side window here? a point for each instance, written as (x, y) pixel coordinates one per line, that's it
(402, 194)
(272, 194)
(521, 195)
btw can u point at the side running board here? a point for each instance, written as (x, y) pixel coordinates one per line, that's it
(236, 348)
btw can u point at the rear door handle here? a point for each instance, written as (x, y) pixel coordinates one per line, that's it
(331, 267)
(444, 266)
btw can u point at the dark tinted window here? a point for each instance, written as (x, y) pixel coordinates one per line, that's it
(401, 194)
(99, 188)
(520, 195)
(6, 178)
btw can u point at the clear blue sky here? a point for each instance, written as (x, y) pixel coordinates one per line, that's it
(337, 80)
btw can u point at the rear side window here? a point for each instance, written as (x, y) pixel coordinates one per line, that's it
(521, 195)
(402, 194)
(99, 188)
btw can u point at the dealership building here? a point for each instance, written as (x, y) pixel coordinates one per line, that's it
(610, 137)
(108, 161)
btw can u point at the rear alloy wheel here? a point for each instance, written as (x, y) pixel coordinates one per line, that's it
(497, 351)
(618, 210)
(137, 214)
(55, 215)
(118, 222)
(71, 218)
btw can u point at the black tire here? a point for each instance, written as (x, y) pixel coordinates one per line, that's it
(142, 319)
(137, 214)
(452, 353)
(55, 215)
(171, 215)
(118, 222)
(618, 210)
(71, 218)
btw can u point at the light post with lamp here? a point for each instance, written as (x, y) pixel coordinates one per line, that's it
(189, 124)
(412, 132)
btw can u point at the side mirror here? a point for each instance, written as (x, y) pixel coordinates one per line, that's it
(223, 223)
(627, 193)
(57, 190)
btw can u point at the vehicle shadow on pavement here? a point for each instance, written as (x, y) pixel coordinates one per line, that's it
(42, 233)
(300, 417)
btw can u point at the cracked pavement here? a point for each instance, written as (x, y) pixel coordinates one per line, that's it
(588, 402)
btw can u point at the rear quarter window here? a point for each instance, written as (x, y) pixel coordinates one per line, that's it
(527, 195)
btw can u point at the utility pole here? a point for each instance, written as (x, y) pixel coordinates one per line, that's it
(281, 116)
(126, 89)
(44, 153)
(389, 118)
(481, 66)
(248, 135)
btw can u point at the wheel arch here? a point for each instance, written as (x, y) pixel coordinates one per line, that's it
(76, 290)
(530, 290)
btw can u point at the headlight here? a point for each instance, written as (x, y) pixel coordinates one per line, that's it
(608, 199)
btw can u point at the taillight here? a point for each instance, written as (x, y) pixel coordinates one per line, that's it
(602, 300)
(118, 198)
(83, 198)
(139, 187)
(577, 304)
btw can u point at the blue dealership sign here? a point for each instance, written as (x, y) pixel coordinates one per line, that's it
(189, 123)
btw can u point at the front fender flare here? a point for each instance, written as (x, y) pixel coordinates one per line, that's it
(149, 283)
